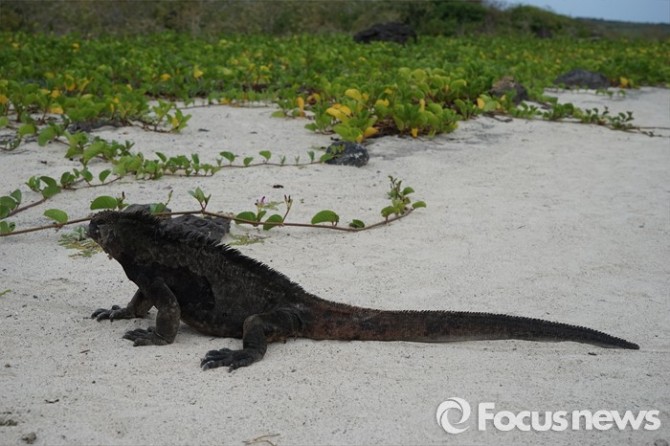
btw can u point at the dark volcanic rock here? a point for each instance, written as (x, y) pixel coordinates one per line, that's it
(583, 78)
(508, 86)
(348, 154)
(386, 32)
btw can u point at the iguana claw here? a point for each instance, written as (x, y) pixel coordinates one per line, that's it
(226, 357)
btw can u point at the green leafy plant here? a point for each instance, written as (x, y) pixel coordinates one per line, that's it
(354, 91)
(399, 204)
(400, 201)
(255, 218)
(79, 240)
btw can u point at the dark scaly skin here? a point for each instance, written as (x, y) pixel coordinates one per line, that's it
(188, 276)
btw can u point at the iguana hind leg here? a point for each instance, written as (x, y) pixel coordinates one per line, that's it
(259, 329)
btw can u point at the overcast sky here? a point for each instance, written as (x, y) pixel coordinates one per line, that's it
(653, 11)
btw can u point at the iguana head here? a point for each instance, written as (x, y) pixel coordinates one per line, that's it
(119, 232)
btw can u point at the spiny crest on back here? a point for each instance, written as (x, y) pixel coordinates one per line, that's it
(166, 229)
(117, 218)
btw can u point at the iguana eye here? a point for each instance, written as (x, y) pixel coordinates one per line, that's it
(93, 231)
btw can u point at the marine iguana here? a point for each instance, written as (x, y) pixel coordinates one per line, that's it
(189, 276)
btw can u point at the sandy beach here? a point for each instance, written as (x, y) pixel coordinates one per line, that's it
(553, 220)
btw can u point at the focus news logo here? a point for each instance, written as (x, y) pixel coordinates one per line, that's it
(454, 413)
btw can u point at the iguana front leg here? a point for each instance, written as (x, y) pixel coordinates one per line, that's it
(258, 330)
(138, 307)
(167, 319)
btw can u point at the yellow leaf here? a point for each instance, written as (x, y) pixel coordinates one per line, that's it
(55, 93)
(346, 110)
(383, 102)
(480, 103)
(624, 82)
(370, 131)
(339, 111)
(301, 103)
(414, 132)
(75, 46)
(3, 99)
(165, 77)
(174, 122)
(197, 72)
(354, 94)
(83, 83)
(56, 109)
(422, 104)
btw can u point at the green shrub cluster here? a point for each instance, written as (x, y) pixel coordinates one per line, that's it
(356, 90)
(284, 17)
(60, 88)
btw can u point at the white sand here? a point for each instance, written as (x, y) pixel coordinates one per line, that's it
(552, 220)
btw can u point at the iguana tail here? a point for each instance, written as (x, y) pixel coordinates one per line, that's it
(343, 322)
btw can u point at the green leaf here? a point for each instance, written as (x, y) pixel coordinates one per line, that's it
(46, 135)
(4, 121)
(325, 216)
(246, 215)
(86, 175)
(16, 195)
(278, 114)
(248, 161)
(7, 226)
(27, 129)
(104, 202)
(418, 204)
(199, 195)
(157, 208)
(33, 183)
(102, 176)
(326, 156)
(274, 218)
(229, 156)
(95, 149)
(356, 224)
(57, 215)
(388, 210)
(8, 202)
(265, 154)
(66, 179)
(48, 181)
(347, 132)
(406, 191)
(50, 191)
